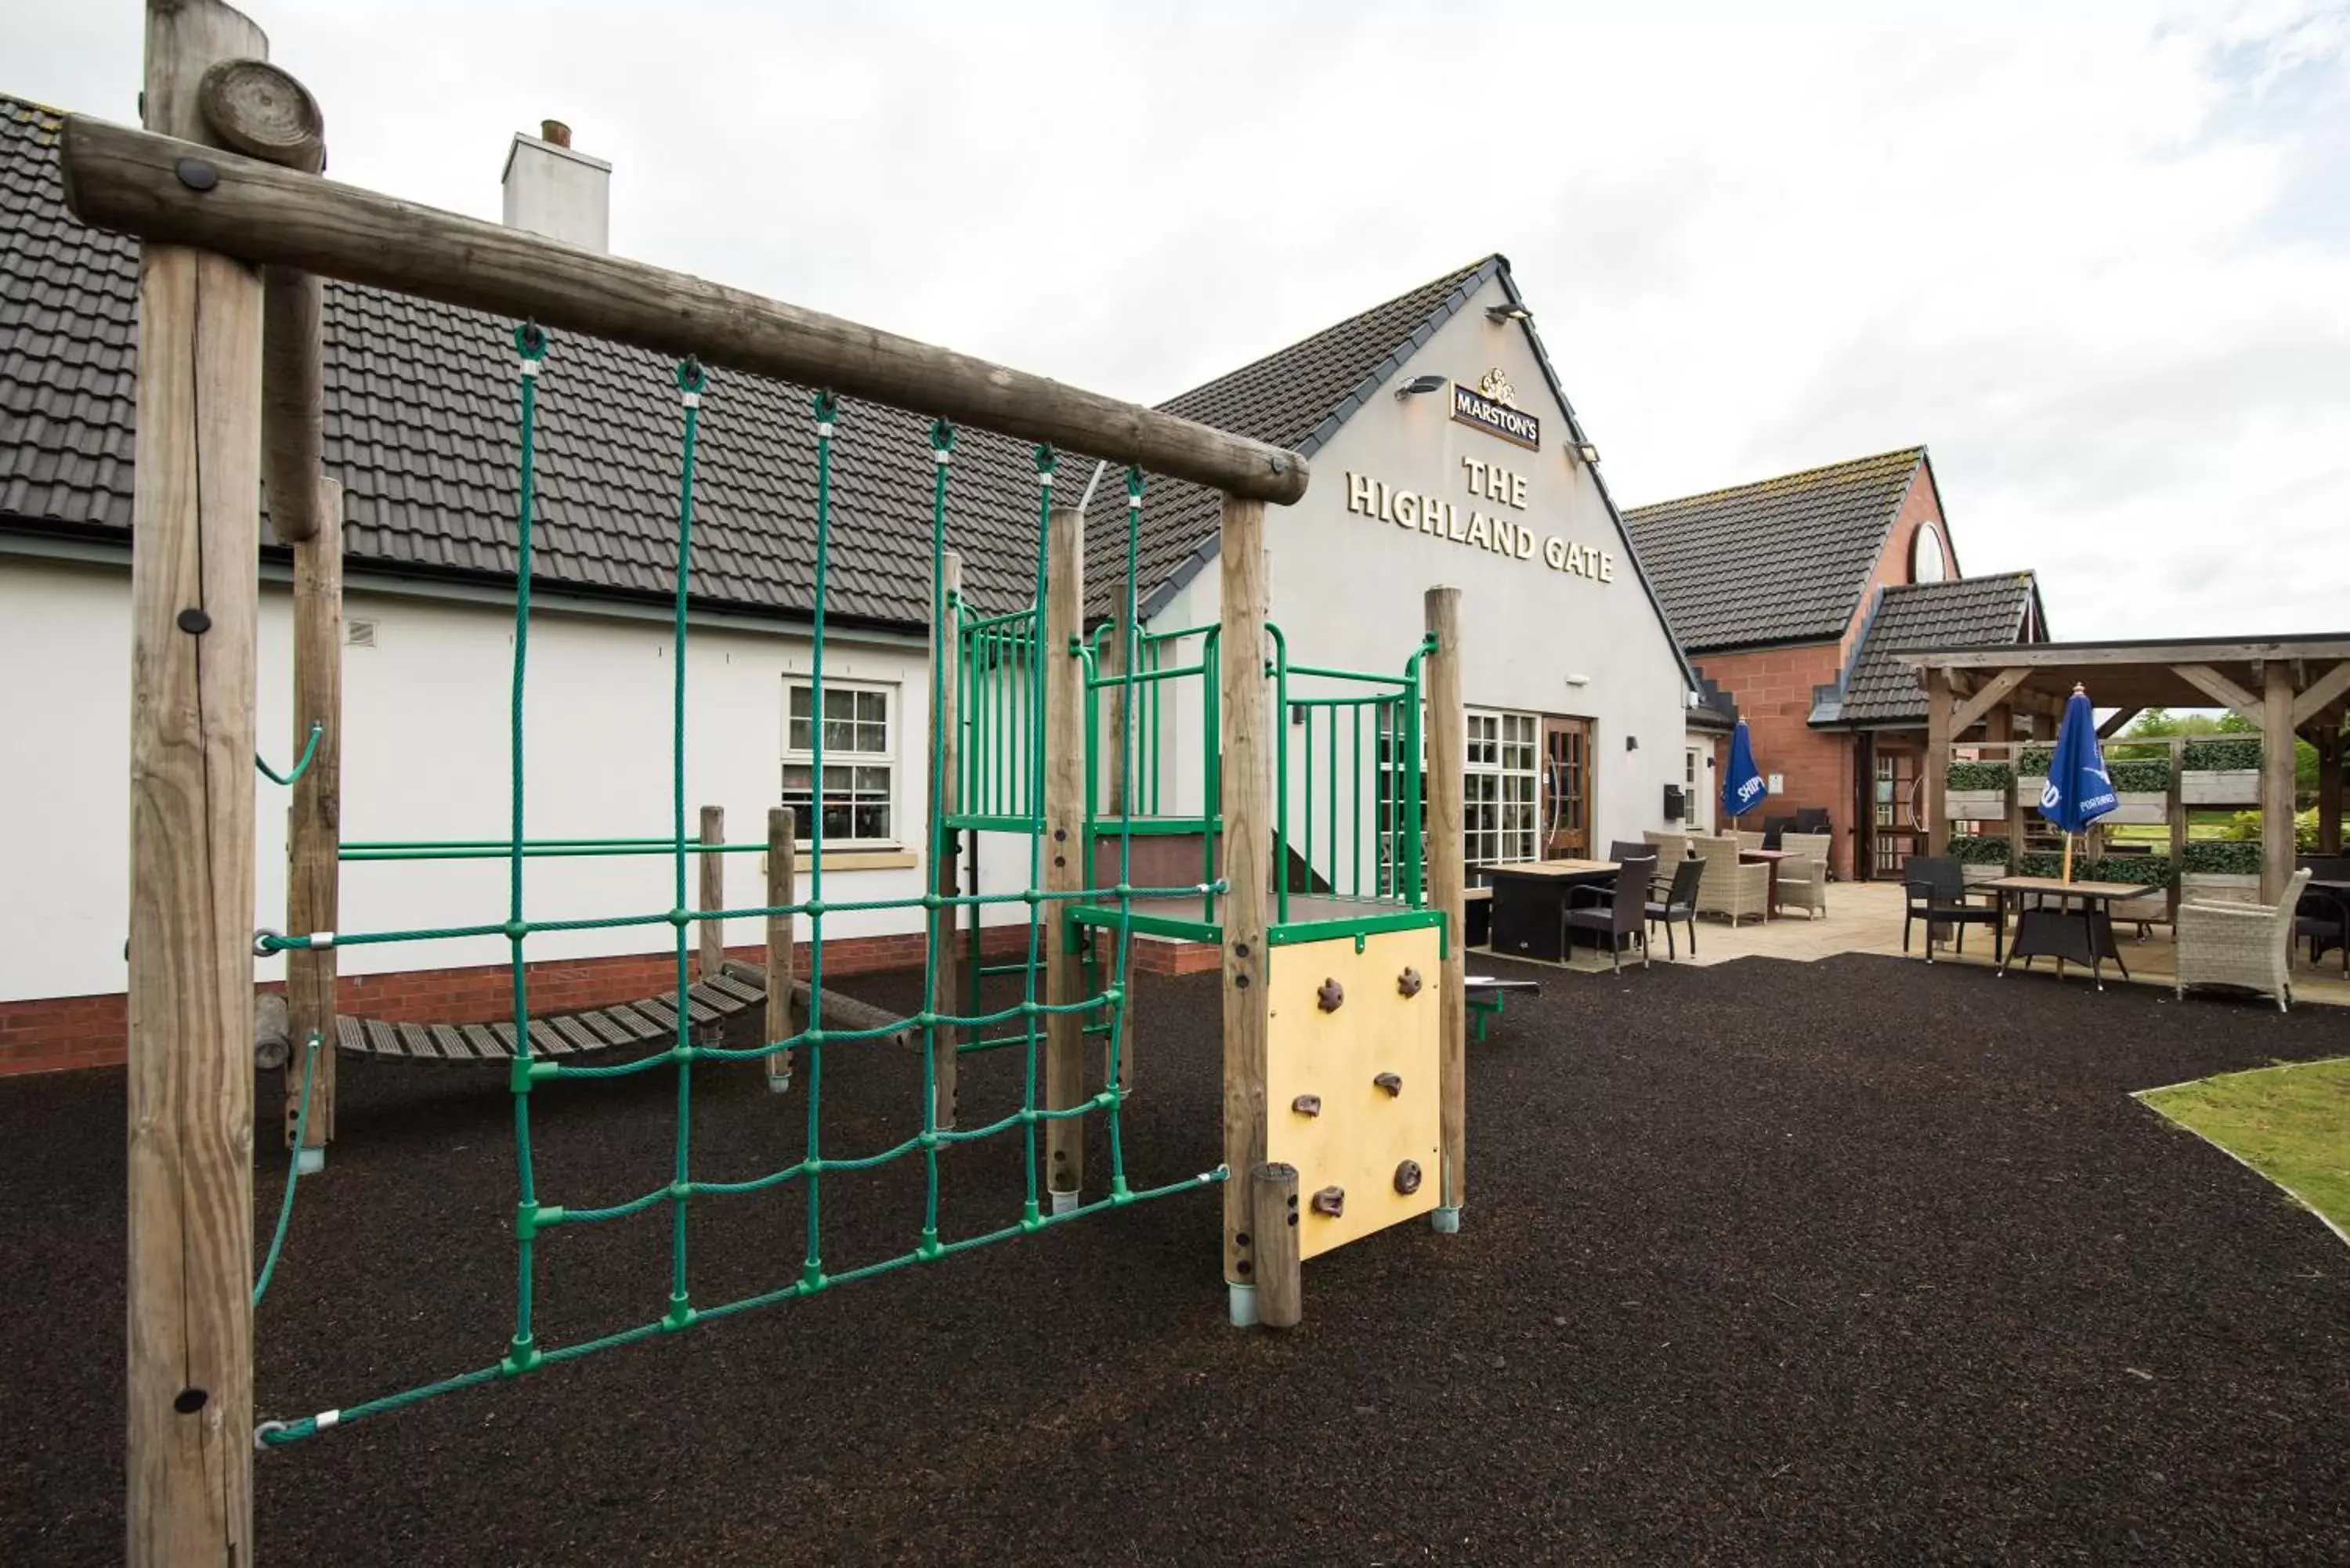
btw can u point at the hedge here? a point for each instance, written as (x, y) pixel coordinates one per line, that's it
(2213, 756)
(2033, 760)
(2152, 870)
(2140, 778)
(1980, 848)
(2222, 856)
(1978, 777)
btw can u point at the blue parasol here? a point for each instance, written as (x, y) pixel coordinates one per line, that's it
(1742, 788)
(2079, 791)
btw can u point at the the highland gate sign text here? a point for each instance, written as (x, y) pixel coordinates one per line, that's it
(1497, 531)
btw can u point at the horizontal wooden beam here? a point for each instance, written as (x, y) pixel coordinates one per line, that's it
(2224, 691)
(2318, 692)
(132, 182)
(2125, 655)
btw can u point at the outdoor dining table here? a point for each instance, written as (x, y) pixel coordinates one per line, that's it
(1530, 899)
(2082, 935)
(1770, 857)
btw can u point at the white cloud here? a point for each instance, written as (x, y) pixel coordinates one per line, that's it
(2094, 256)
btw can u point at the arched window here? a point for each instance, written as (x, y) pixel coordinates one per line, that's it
(1926, 564)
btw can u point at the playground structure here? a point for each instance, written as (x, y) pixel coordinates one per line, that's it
(1342, 1052)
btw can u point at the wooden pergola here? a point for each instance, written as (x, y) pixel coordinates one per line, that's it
(2291, 686)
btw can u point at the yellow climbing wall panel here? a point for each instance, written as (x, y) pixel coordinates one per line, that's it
(1360, 1133)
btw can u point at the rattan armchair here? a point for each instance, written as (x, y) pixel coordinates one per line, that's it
(1730, 888)
(1804, 877)
(2248, 945)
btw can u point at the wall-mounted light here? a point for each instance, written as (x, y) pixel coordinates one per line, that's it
(1418, 385)
(1508, 313)
(1588, 452)
(1631, 743)
(1578, 681)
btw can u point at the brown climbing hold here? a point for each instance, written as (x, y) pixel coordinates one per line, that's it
(1407, 983)
(1330, 1200)
(1391, 1082)
(1407, 1178)
(1329, 996)
(1306, 1105)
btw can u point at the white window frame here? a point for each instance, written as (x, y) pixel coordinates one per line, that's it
(892, 794)
(1489, 836)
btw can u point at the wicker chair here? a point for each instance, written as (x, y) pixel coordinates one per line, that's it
(2250, 945)
(1672, 844)
(1804, 880)
(1749, 839)
(1728, 888)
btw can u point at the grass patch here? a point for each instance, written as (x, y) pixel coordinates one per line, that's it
(2289, 1123)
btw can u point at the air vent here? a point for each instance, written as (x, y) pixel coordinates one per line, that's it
(358, 634)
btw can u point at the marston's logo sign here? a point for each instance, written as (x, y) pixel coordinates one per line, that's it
(1490, 411)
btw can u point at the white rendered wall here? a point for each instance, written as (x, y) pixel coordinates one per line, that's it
(1347, 590)
(425, 756)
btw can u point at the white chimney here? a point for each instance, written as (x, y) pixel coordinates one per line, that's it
(556, 192)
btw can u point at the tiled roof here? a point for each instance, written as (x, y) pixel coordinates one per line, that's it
(1967, 612)
(1785, 560)
(420, 427)
(1296, 398)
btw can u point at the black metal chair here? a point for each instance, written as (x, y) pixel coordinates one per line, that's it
(1812, 819)
(1936, 893)
(1626, 914)
(2322, 918)
(1774, 827)
(1679, 903)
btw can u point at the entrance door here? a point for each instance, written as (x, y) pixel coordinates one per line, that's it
(1566, 789)
(1895, 831)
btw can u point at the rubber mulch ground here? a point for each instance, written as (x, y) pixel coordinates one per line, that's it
(1856, 1262)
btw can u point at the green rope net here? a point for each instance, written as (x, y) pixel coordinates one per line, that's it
(1104, 1007)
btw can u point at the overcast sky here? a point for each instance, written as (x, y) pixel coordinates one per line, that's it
(2096, 257)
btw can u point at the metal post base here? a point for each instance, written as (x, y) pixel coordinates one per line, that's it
(1065, 1202)
(1241, 1300)
(781, 1085)
(310, 1159)
(1445, 1221)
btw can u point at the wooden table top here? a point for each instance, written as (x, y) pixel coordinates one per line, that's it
(1767, 854)
(1553, 868)
(2058, 885)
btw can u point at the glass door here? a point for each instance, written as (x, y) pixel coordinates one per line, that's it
(1896, 832)
(1566, 789)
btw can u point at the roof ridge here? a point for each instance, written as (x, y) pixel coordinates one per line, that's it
(1913, 453)
(36, 105)
(1455, 276)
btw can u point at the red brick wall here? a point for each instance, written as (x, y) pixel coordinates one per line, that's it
(1918, 506)
(1773, 688)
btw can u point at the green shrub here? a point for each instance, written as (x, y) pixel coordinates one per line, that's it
(2152, 870)
(2244, 827)
(2039, 864)
(2033, 760)
(2224, 856)
(1978, 777)
(2140, 778)
(1980, 848)
(2214, 757)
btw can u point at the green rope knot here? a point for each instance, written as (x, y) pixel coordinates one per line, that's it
(520, 1356)
(1047, 460)
(679, 915)
(1134, 487)
(516, 929)
(942, 436)
(691, 378)
(680, 1314)
(530, 342)
(826, 407)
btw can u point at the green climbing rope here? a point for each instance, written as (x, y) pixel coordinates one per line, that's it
(309, 751)
(1022, 658)
(293, 1173)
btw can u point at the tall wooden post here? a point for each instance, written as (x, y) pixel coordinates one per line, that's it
(1116, 1067)
(1066, 851)
(196, 515)
(1938, 705)
(2175, 813)
(2276, 779)
(1280, 1280)
(946, 922)
(783, 852)
(1246, 702)
(1448, 876)
(313, 841)
(713, 933)
(2327, 738)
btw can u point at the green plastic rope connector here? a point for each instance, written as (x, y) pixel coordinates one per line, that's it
(309, 751)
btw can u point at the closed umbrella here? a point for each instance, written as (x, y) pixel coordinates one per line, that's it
(2079, 791)
(1742, 788)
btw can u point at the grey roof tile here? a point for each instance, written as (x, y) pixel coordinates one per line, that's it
(1784, 560)
(1968, 612)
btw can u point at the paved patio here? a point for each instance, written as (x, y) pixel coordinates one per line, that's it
(1865, 918)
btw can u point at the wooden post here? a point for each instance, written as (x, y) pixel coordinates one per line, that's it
(946, 924)
(1066, 851)
(2175, 813)
(783, 852)
(195, 525)
(262, 111)
(2276, 779)
(1448, 875)
(2327, 738)
(1117, 1068)
(1280, 1281)
(713, 933)
(1939, 702)
(313, 841)
(1246, 702)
